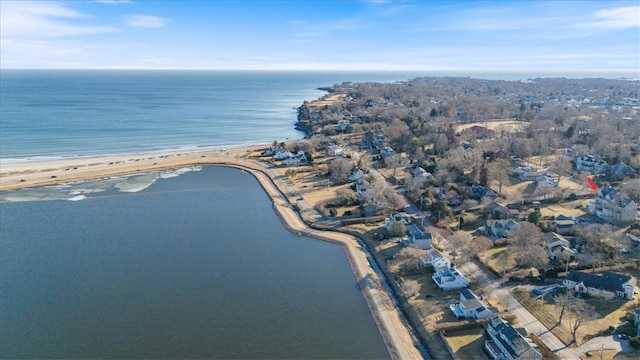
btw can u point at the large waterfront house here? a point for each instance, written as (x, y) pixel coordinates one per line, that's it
(436, 259)
(607, 285)
(506, 343)
(448, 278)
(296, 159)
(471, 307)
(590, 164)
(613, 206)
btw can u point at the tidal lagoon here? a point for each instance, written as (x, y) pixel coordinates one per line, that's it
(194, 266)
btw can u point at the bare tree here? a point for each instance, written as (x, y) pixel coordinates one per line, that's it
(564, 300)
(339, 170)
(411, 288)
(499, 171)
(527, 246)
(462, 243)
(579, 313)
(408, 259)
(632, 189)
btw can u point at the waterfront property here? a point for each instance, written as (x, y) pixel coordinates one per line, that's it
(471, 307)
(507, 343)
(449, 279)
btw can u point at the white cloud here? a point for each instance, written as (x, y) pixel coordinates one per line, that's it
(146, 21)
(43, 20)
(620, 18)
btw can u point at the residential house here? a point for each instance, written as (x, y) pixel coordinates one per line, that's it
(420, 173)
(470, 307)
(563, 225)
(544, 179)
(449, 279)
(613, 206)
(297, 159)
(343, 125)
(379, 141)
(356, 175)
(528, 173)
(436, 259)
(282, 155)
(557, 246)
(496, 210)
(502, 228)
(620, 171)
(367, 194)
(591, 164)
(419, 238)
(387, 151)
(334, 150)
(506, 343)
(478, 192)
(609, 284)
(272, 150)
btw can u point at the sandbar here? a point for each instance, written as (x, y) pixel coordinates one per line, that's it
(397, 337)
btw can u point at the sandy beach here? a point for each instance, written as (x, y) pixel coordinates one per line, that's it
(396, 335)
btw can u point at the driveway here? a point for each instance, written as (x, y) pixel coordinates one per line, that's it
(595, 345)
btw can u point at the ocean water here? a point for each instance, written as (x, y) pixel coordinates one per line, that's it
(191, 266)
(58, 113)
(66, 113)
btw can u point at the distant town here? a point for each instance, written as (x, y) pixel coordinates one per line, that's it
(504, 214)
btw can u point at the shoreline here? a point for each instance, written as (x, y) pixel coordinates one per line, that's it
(394, 333)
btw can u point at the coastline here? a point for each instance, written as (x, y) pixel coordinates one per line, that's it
(396, 336)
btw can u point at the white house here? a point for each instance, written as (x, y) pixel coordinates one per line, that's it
(387, 151)
(502, 228)
(281, 155)
(609, 284)
(448, 278)
(590, 164)
(436, 259)
(527, 173)
(613, 206)
(557, 246)
(420, 173)
(297, 159)
(506, 343)
(356, 175)
(470, 307)
(334, 150)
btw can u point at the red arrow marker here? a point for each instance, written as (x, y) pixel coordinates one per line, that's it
(592, 184)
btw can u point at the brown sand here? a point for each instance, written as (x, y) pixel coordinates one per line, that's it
(396, 335)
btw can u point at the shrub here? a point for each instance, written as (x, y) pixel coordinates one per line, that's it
(572, 197)
(635, 342)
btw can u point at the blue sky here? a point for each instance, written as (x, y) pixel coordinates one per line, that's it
(322, 35)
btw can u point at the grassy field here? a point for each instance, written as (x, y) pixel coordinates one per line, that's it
(467, 344)
(497, 125)
(609, 313)
(493, 259)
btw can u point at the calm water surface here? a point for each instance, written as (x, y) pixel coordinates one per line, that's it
(196, 266)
